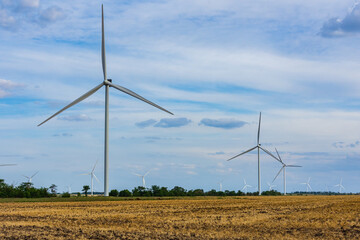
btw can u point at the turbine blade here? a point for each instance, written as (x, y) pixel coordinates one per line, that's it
(258, 135)
(242, 153)
(293, 166)
(3, 165)
(89, 93)
(137, 174)
(96, 178)
(278, 155)
(146, 173)
(310, 187)
(135, 95)
(34, 174)
(268, 152)
(103, 57)
(278, 173)
(95, 165)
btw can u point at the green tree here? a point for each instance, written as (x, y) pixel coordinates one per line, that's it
(86, 189)
(114, 193)
(53, 189)
(125, 193)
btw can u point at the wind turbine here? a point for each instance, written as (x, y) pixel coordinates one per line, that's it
(245, 186)
(258, 147)
(30, 178)
(143, 177)
(69, 188)
(283, 168)
(107, 83)
(220, 185)
(307, 185)
(270, 186)
(340, 186)
(92, 174)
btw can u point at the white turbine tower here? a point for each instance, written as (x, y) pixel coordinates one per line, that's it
(283, 168)
(270, 186)
(258, 147)
(245, 186)
(92, 174)
(307, 185)
(107, 83)
(220, 185)
(142, 177)
(30, 178)
(340, 186)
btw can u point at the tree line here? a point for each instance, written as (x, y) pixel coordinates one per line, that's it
(25, 190)
(157, 191)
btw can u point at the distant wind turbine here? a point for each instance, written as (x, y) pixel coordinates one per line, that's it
(270, 186)
(30, 178)
(308, 185)
(340, 186)
(107, 83)
(143, 177)
(245, 186)
(283, 168)
(92, 174)
(258, 147)
(220, 185)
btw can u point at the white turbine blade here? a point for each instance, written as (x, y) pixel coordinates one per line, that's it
(86, 95)
(147, 173)
(309, 187)
(243, 188)
(139, 175)
(268, 152)
(135, 95)
(278, 173)
(293, 166)
(242, 153)
(34, 174)
(94, 166)
(85, 174)
(278, 155)
(258, 135)
(3, 165)
(96, 178)
(25, 176)
(248, 185)
(103, 57)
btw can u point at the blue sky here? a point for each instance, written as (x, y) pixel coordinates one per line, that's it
(214, 64)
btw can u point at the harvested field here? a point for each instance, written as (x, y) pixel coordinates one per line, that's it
(289, 217)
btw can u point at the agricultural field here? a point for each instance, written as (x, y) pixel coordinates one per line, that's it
(282, 217)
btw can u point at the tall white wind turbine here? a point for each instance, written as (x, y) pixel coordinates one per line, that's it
(92, 174)
(283, 168)
(258, 147)
(340, 186)
(107, 83)
(245, 186)
(220, 185)
(30, 178)
(307, 185)
(142, 177)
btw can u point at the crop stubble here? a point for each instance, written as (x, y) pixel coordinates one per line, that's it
(283, 217)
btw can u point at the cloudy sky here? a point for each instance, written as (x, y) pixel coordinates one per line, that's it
(214, 64)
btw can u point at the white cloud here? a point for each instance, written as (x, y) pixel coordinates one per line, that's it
(6, 87)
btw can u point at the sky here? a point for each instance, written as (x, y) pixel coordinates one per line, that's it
(215, 64)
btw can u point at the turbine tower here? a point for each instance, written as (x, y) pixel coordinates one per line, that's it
(340, 186)
(245, 186)
(92, 174)
(30, 178)
(143, 177)
(308, 185)
(258, 147)
(220, 185)
(283, 168)
(107, 83)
